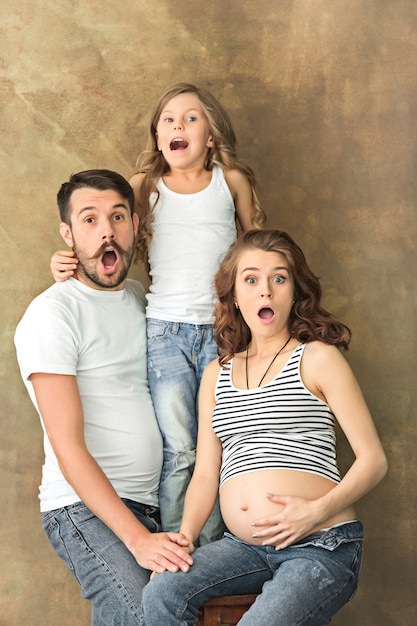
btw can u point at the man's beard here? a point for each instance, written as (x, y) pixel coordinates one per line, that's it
(87, 265)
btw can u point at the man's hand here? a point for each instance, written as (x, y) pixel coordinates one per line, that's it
(164, 551)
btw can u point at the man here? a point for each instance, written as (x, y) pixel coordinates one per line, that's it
(81, 348)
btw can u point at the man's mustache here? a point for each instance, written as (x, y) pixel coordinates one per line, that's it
(105, 245)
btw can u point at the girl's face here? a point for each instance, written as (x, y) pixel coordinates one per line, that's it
(264, 291)
(182, 133)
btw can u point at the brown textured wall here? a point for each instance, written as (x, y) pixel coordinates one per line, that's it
(323, 98)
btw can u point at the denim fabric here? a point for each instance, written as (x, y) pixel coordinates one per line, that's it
(177, 356)
(306, 583)
(109, 576)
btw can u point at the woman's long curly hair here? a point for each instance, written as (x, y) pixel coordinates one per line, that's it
(308, 320)
(152, 163)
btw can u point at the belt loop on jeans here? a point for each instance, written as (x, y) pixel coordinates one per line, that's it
(175, 327)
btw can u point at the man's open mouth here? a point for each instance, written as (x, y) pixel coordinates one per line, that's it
(109, 259)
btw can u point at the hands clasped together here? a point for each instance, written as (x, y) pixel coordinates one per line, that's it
(166, 551)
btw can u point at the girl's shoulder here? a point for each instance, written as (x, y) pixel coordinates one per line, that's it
(235, 178)
(136, 181)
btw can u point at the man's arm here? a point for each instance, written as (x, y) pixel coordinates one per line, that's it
(60, 406)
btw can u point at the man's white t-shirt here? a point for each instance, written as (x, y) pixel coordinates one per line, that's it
(99, 337)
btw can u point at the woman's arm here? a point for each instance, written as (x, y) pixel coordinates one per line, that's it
(334, 380)
(203, 488)
(327, 374)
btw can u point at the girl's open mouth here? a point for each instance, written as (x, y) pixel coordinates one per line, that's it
(178, 144)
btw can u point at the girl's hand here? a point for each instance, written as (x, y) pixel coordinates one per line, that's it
(63, 265)
(296, 520)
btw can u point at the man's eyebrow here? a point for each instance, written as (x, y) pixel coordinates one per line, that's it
(118, 205)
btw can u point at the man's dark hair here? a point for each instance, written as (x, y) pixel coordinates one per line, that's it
(97, 179)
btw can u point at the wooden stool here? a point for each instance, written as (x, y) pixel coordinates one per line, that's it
(224, 610)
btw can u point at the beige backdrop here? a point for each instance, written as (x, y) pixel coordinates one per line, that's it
(323, 98)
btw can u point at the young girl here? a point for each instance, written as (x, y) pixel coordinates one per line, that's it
(266, 439)
(190, 187)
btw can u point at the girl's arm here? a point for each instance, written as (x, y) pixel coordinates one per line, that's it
(135, 182)
(327, 374)
(242, 194)
(63, 265)
(203, 488)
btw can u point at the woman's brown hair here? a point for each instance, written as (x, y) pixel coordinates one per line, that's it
(308, 320)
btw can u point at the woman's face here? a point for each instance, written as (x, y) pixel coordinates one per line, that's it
(264, 290)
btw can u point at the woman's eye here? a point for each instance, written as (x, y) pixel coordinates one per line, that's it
(251, 280)
(279, 279)
(168, 119)
(191, 118)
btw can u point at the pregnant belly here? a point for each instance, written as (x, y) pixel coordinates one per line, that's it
(243, 499)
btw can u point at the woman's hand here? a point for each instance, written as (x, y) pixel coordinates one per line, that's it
(181, 565)
(63, 265)
(296, 519)
(163, 551)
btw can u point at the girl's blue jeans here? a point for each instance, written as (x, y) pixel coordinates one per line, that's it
(109, 575)
(306, 583)
(177, 356)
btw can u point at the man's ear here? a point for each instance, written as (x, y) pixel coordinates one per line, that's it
(135, 220)
(66, 234)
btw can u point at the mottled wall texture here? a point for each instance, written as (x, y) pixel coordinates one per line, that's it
(323, 97)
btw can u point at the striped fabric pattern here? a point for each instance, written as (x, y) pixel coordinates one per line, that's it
(280, 425)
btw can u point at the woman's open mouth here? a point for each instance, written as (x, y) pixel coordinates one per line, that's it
(266, 313)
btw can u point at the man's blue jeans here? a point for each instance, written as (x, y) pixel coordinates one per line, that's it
(306, 583)
(109, 575)
(177, 356)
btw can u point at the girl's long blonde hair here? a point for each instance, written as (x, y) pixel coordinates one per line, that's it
(153, 165)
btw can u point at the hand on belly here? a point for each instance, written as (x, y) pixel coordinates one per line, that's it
(276, 507)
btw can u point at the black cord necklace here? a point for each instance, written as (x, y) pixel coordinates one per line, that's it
(269, 366)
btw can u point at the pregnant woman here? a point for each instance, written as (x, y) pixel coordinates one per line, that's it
(266, 439)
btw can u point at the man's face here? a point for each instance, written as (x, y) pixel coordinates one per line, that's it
(102, 234)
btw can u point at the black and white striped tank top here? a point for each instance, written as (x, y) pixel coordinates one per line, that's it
(280, 425)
